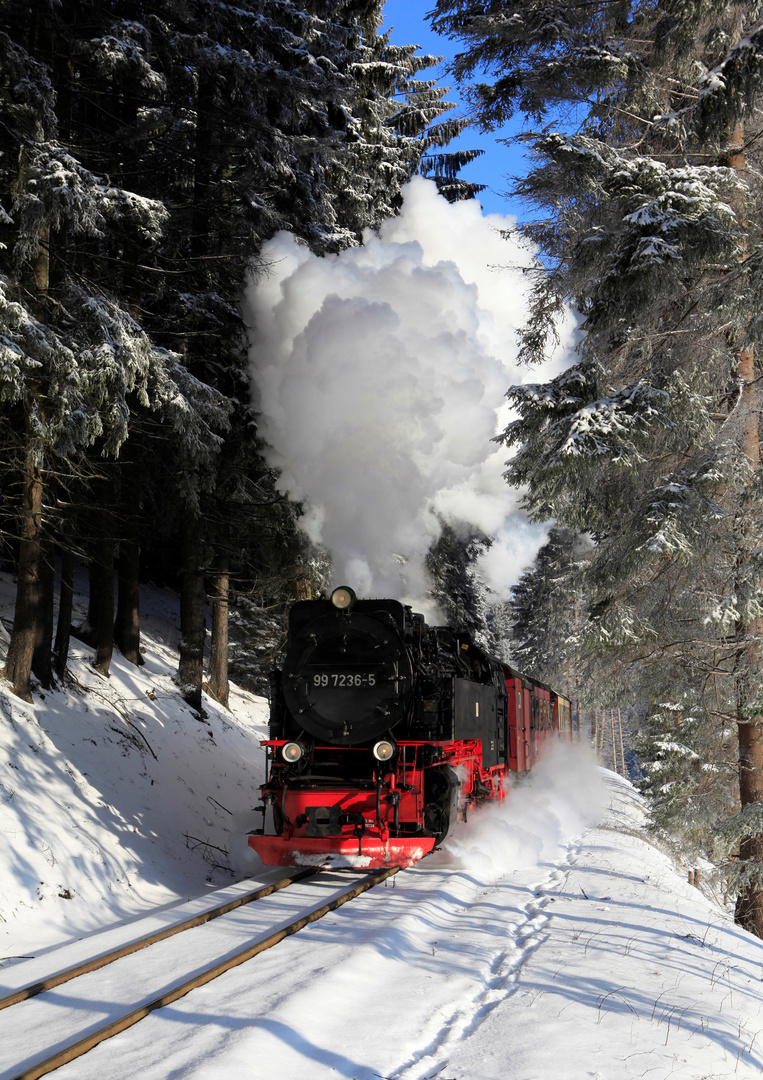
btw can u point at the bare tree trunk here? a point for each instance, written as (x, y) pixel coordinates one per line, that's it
(127, 623)
(190, 672)
(302, 588)
(65, 608)
(41, 266)
(29, 610)
(749, 906)
(192, 628)
(101, 607)
(42, 658)
(620, 730)
(218, 686)
(100, 611)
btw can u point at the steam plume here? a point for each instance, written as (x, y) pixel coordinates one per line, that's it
(380, 373)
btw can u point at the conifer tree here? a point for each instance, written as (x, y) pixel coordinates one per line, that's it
(149, 150)
(75, 364)
(457, 588)
(547, 613)
(646, 168)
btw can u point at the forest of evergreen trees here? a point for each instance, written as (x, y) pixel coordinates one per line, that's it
(147, 152)
(644, 132)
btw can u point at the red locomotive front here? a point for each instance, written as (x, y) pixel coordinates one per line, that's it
(384, 731)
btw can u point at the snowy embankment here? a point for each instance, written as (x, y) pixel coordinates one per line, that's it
(114, 797)
(551, 940)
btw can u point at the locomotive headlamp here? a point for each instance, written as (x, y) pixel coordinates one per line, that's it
(343, 598)
(384, 750)
(292, 752)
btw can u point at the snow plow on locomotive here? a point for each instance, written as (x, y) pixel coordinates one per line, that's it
(384, 731)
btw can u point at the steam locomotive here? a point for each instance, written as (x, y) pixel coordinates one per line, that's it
(384, 731)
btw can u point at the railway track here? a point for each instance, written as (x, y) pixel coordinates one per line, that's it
(64, 1003)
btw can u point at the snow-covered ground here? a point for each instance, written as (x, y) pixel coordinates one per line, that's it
(551, 940)
(114, 797)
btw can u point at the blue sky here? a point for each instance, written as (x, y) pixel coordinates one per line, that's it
(498, 163)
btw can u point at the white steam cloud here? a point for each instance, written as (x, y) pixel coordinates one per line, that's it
(380, 374)
(562, 796)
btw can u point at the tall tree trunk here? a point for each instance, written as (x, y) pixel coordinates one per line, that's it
(301, 588)
(41, 266)
(42, 657)
(127, 625)
(749, 905)
(29, 612)
(218, 686)
(65, 608)
(101, 606)
(29, 620)
(620, 732)
(192, 627)
(578, 681)
(190, 672)
(100, 612)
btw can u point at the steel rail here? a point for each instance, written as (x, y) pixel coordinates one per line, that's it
(39, 987)
(82, 1046)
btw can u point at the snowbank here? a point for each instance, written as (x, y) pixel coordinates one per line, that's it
(114, 797)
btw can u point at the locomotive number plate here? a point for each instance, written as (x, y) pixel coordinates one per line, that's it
(345, 678)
